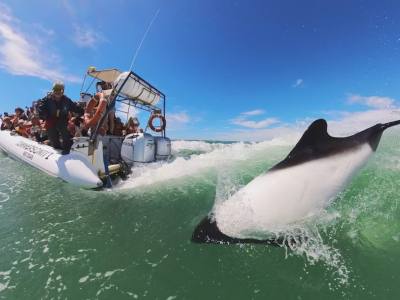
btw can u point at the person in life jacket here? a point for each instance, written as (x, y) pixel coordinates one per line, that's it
(55, 109)
(94, 111)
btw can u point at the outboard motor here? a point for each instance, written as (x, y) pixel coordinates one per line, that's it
(163, 148)
(138, 148)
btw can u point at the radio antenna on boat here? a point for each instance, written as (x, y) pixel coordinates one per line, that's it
(143, 38)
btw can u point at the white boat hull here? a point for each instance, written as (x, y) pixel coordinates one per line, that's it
(74, 168)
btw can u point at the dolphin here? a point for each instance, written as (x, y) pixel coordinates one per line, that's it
(300, 186)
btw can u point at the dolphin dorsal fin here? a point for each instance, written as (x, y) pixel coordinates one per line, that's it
(316, 133)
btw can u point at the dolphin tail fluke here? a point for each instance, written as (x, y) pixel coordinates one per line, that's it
(390, 124)
(207, 232)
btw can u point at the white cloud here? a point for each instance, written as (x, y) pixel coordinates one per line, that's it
(22, 55)
(255, 112)
(373, 101)
(299, 83)
(68, 8)
(255, 124)
(86, 37)
(181, 120)
(244, 121)
(83, 35)
(43, 30)
(180, 117)
(5, 13)
(352, 122)
(340, 123)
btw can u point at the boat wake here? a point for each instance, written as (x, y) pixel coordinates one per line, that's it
(196, 158)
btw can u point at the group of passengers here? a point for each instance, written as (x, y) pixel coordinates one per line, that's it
(55, 119)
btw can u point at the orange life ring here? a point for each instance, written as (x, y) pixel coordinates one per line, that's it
(162, 121)
(91, 122)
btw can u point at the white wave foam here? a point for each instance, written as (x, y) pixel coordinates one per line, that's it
(5, 192)
(222, 155)
(200, 146)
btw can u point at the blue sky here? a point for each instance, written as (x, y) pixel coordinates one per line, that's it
(235, 70)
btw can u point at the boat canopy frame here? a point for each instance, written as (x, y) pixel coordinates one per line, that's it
(117, 97)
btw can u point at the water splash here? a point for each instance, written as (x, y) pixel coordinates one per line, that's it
(301, 239)
(217, 156)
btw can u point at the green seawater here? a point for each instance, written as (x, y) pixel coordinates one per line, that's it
(133, 242)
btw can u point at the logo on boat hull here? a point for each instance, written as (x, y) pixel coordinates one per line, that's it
(32, 149)
(28, 155)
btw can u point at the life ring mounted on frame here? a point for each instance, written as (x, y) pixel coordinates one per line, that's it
(163, 122)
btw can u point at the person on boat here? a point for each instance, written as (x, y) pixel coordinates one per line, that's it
(21, 128)
(55, 109)
(36, 130)
(20, 114)
(30, 112)
(94, 111)
(6, 123)
(76, 127)
(132, 126)
(106, 89)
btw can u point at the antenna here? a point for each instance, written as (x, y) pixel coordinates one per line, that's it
(143, 38)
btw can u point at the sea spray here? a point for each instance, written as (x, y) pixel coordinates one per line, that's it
(302, 239)
(218, 156)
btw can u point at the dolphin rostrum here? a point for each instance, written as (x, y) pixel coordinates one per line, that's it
(301, 185)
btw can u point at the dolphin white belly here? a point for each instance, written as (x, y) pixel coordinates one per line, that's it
(285, 196)
(305, 182)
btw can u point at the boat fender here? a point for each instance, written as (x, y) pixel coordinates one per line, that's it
(163, 122)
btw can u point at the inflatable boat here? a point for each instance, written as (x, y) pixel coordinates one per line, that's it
(74, 168)
(94, 160)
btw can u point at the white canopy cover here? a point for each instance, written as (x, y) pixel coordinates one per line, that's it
(108, 75)
(134, 87)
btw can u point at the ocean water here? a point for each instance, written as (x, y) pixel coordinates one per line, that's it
(133, 242)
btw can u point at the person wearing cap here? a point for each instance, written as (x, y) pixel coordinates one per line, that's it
(55, 109)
